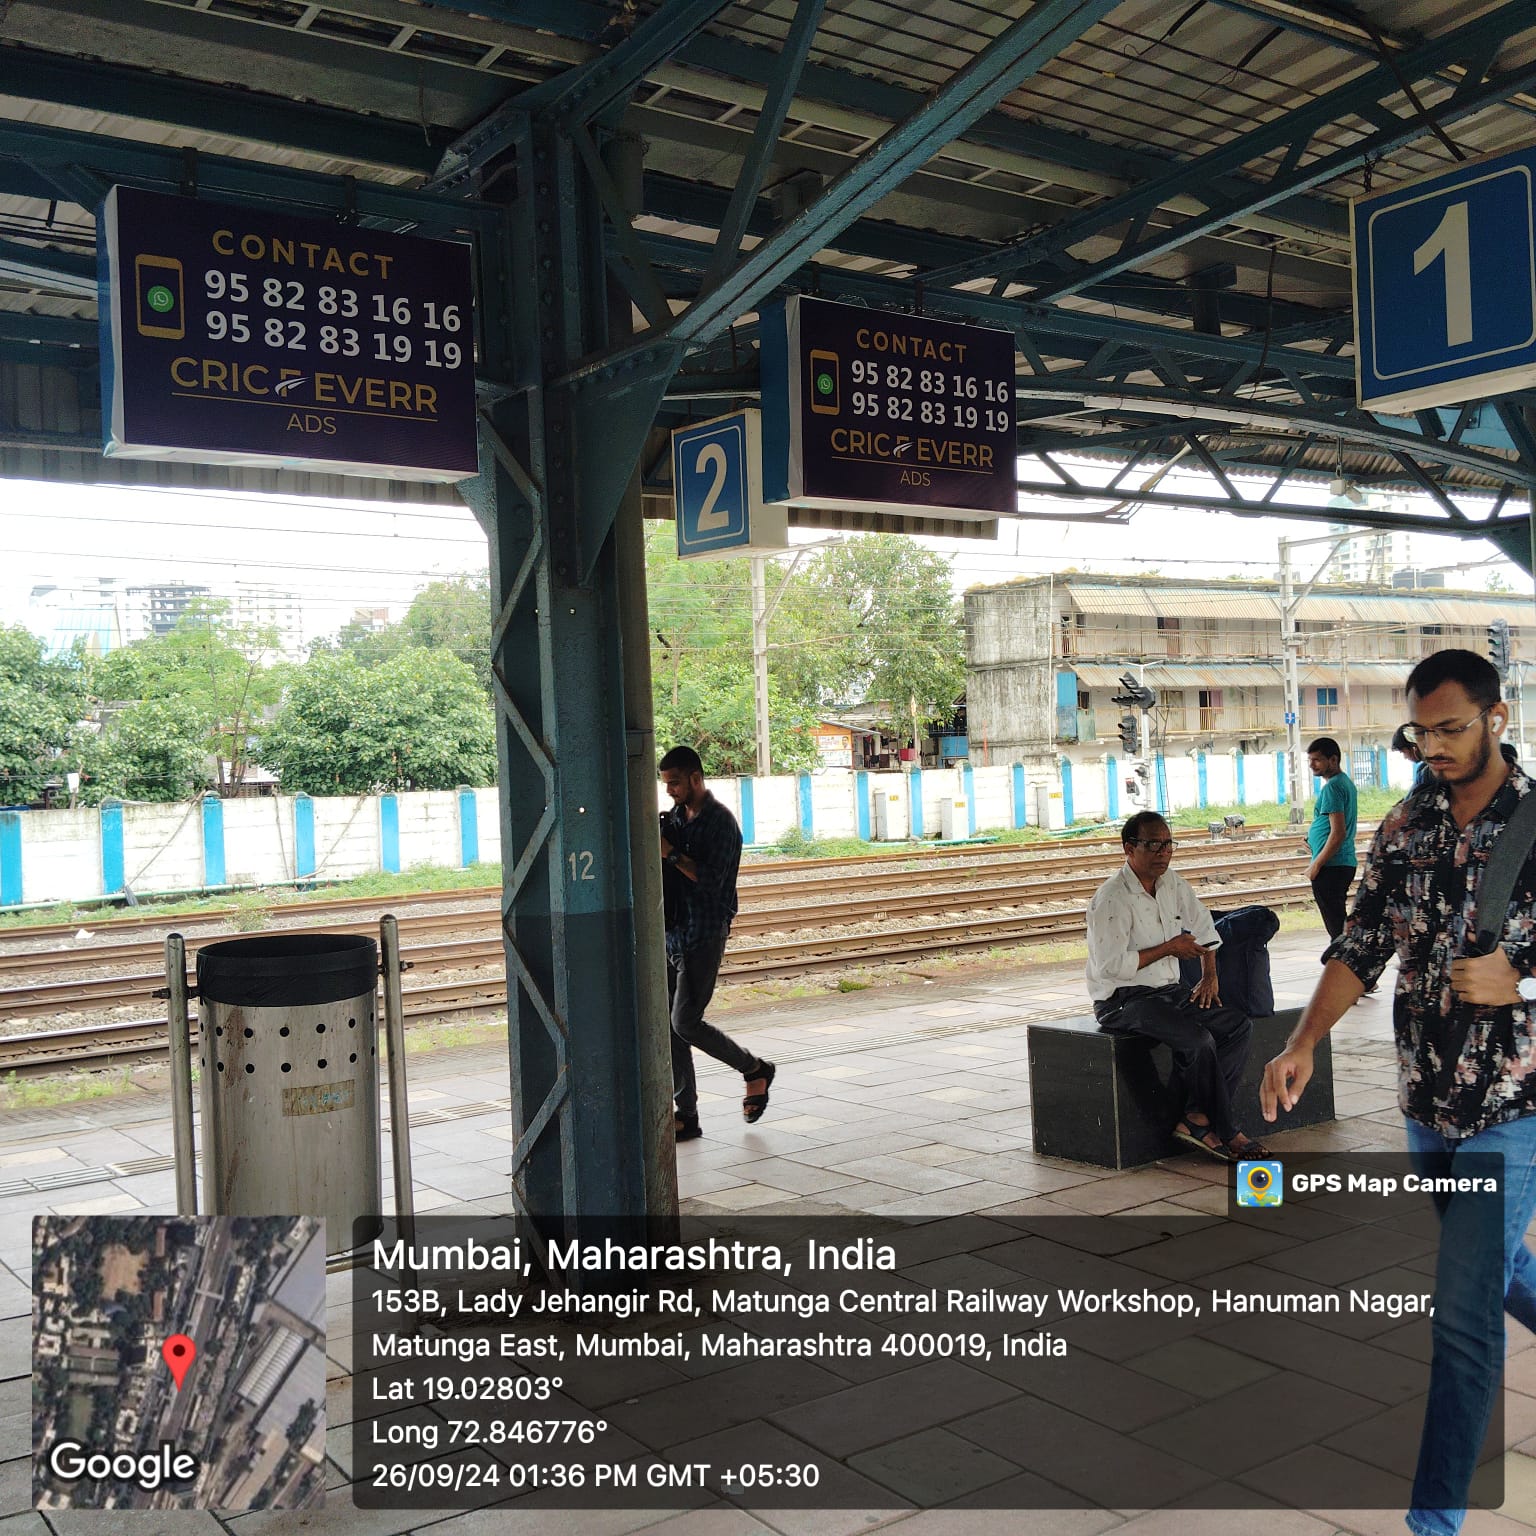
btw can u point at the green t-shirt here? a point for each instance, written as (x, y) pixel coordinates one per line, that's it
(1337, 795)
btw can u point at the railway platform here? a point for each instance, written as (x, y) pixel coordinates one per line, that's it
(909, 1100)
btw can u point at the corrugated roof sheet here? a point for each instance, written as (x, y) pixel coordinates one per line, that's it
(1174, 602)
(1090, 599)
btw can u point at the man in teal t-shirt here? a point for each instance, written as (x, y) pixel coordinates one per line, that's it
(1331, 837)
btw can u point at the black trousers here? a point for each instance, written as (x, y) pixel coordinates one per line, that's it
(1331, 893)
(691, 980)
(1209, 1045)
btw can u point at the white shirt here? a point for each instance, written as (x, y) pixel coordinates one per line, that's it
(1123, 920)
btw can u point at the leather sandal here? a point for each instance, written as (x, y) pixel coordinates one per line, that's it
(687, 1127)
(753, 1105)
(1195, 1136)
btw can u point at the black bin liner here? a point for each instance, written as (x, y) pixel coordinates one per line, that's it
(287, 970)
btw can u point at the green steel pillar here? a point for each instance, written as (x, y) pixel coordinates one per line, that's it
(556, 463)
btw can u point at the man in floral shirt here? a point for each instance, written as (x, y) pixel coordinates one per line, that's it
(1466, 1046)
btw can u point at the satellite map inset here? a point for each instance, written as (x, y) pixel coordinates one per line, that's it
(178, 1362)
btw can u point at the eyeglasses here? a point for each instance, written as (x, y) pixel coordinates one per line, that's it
(1422, 735)
(1158, 845)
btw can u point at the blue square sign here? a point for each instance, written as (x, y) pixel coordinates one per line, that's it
(717, 489)
(1445, 285)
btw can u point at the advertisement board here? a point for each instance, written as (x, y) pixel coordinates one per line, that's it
(241, 336)
(899, 412)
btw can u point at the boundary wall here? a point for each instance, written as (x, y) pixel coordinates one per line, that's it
(157, 850)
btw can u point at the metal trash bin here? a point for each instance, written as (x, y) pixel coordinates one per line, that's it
(288, 1050)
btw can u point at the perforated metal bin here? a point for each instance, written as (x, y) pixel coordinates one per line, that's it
(288, 1051)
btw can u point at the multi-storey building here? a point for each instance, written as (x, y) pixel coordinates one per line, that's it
(1044, 656)
(156, 610)
(261, 606)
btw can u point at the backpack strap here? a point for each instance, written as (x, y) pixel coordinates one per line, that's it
(1497, 886)
(1511, 849)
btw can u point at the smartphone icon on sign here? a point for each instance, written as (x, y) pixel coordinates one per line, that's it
(161, 297)
(826, 383)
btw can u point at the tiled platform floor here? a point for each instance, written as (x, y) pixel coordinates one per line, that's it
(909, 1100)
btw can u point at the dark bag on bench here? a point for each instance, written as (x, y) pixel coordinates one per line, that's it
(1242, 962)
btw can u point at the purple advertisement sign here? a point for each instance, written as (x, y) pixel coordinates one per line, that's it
(241, 336)
(874, 408)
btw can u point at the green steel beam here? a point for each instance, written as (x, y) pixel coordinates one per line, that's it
(240, 114)
(735, 59)
(1291, 131)
(1013, 56)
(765, 137)
(61, 155)
(66, 272)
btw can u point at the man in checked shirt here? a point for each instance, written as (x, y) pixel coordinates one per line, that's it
(1418, 900)
(701, 843)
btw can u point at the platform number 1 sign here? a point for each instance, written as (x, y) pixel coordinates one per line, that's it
(1445, 286)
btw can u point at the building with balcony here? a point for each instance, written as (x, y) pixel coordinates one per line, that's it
(1044, 656)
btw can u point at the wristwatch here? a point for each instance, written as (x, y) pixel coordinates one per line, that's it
(673, 857)
(1526, 987)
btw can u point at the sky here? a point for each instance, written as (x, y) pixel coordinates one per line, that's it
(339, 557)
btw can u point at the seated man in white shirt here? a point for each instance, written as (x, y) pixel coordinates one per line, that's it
(1141, 922)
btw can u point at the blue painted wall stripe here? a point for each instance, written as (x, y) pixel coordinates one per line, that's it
(748, 812)
(389, 834)
(1242, 787)
(861, 805)
(807, 817)
(1066, 791)
(469, 827)
(213, 840)
(112, 879)
(915, 826)
(1020, 797)
(968, 776)
(303, 836)
(1112, 787)
(1205, 799)
(10, 858)
(1280, 777)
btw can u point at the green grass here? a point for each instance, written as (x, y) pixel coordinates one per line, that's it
(46, 1092)
(253, 908)
(1373, 805)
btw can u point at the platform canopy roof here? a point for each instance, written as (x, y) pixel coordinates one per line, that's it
(1153, 196)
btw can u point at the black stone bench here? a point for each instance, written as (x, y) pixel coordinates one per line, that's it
(1103, 1098)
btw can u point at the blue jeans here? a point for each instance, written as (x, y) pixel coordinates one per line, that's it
(1471, 1297)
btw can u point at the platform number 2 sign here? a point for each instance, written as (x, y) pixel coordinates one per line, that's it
(711, 460)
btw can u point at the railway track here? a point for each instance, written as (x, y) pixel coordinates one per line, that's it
(126, 1042)
(985, 878)
(869, 870)
(960, 890)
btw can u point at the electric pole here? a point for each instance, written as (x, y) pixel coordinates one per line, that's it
(760, 663)
(1289, 643)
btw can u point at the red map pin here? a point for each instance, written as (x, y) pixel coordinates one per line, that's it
(179, 1352)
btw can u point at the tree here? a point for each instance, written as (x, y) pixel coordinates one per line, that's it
(417, 721)
(452, 614)
(41, 698)
(874, 619)
(209, 670)
(154, 749)
(701, 666)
